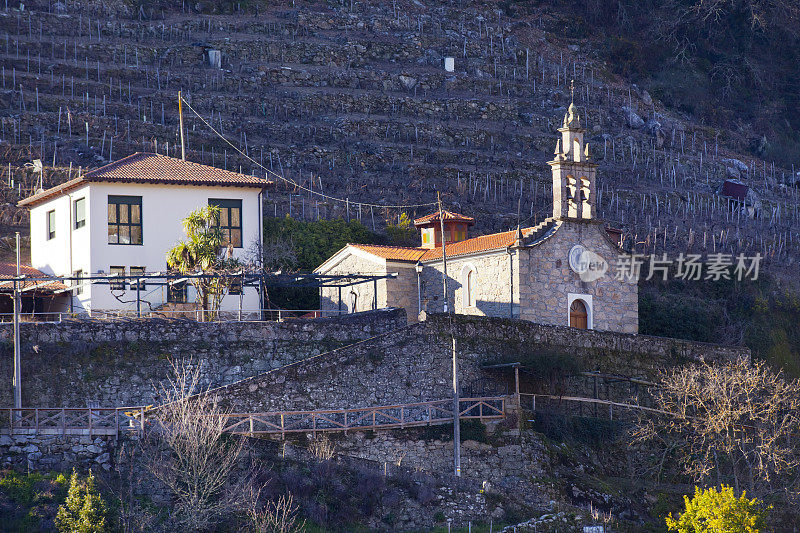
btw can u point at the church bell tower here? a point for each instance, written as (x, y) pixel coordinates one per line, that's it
(573, 171)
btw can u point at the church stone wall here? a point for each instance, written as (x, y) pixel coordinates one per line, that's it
(402, 291)
(493, 284)
(541, 280)
(546, 280)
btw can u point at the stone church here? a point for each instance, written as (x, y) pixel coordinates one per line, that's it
(560, 272)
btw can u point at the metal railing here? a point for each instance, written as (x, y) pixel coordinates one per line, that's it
(85, 421)
(382, 417)
(199, 315)
(207, 315)
(41, 316)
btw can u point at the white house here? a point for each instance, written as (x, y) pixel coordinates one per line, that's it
(123, 217)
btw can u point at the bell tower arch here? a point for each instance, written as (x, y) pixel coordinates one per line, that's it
(573, 171)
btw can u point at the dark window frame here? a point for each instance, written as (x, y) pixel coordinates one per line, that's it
(79, 223)
(128, 201)
(51, 225)
(120, 285)
(135, 271)
(78, 282)
(228, 205)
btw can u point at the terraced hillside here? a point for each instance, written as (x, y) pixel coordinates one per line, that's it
(351, 99)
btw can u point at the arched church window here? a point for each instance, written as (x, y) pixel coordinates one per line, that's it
(468, 288)
(471, 288)
(353, 301)
(578, 316)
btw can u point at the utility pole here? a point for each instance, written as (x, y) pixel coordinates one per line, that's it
(180, 120)
(456, 413)
(456, 402)
(17, 370)
(444, 251)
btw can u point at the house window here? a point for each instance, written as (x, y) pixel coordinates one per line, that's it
(138, 271)
(426, 236)
(78, 282)
(230, 220)
(353, 301)
(79, 212)
(124, 220)
(118, 285)
(51, 225)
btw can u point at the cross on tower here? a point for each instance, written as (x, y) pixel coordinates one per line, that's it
(571, 91)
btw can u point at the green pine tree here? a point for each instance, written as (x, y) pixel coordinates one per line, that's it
(84, 510)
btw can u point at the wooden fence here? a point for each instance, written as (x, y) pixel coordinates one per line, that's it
(574, 405)
(382, 417)
(87, 421)
(112, 421)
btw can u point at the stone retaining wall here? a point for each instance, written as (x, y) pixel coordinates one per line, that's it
(414, 364)
(55, 452)
(116, 363)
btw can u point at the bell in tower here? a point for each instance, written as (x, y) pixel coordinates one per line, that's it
(573, 170)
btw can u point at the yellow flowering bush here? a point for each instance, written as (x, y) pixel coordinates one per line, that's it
(719, 511)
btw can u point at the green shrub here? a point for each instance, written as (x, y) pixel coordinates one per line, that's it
(34, 496)
(84, 511)
(719, 511)
(403, 233)
(585, 430)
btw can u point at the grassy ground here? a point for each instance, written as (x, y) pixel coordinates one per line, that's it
(29, 501)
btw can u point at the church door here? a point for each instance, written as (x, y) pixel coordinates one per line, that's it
(578, 317)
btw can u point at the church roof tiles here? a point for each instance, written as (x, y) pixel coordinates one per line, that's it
(484, 243)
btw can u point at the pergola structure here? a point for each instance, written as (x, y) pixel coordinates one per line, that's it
(243, 278)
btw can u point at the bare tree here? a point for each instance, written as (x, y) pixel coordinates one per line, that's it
(278, 516)
(322, 448)
(736, 422)
(191, 454)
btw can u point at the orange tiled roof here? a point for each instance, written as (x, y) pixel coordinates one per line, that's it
(484, 243)
(448, 215)
(8, 270)
(144, 167)
(392, 253)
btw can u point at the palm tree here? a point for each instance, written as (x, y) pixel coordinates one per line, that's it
(204, 252)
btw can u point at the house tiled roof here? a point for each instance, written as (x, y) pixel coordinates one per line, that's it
(144, 167)
(448, 215)
(8, 270)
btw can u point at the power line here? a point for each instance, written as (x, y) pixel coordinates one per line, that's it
(292, 182)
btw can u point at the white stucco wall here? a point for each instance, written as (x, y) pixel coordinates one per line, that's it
(163, 209)
(70, 249)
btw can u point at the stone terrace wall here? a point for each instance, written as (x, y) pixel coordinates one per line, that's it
(626, 354)
(54, 452)
(116, 363)
(414, 364)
